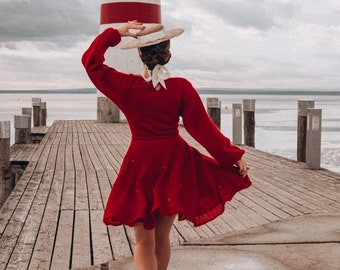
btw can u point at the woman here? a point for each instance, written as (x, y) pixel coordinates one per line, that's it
(161, 175)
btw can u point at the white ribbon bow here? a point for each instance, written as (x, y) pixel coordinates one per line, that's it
(158, 75)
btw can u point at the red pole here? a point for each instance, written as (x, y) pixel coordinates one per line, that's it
(121, 11)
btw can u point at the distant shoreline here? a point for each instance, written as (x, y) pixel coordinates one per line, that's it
(203, 91)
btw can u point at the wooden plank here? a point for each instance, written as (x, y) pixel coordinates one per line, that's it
(130, 236)
(103, 178)
(13, 230)
(116, 158)
(69, 161)
(86, 159)
(81, 202)
(23, 250)
(41, 164)
(240, 214)
(267, 215)
(270, 198)
(28, 152)
(44, 246)
(94, 197)
(233, 222)
(104, 156)
(186, 231)
(204, 231)
(280, 195)
(81, 138)
(102, 250)
(104, 140)
(75, 137)
(68, 195)
(248, 212)
(8, 209)
(304, 196)
(120, 243)
(69, 138)
(87, 138)
(94, 158)
(176, 238)
(57, 138)
(60, 160)
(307, 179)
(63, 138)
(61, 257)
(40, 129)
(78, 158)
(16, 149)
(220, 226)
(52, 158)
(81, 246)
(265, 205)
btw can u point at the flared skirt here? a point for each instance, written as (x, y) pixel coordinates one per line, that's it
(167, 176)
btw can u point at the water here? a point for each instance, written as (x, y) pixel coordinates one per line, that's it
(276, 118)
(276, 124)
(59, 106)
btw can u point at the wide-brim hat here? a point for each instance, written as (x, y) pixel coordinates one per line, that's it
(151, 35)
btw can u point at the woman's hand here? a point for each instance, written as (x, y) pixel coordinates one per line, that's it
(242, 167)
(124, 30)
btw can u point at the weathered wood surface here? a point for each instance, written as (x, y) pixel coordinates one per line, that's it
(53, 218)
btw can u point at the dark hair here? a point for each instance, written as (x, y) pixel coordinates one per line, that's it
(158, 54)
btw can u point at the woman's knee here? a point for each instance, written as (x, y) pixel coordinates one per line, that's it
(144, 237)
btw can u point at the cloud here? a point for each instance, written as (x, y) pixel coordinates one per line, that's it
(261, 15)
(61, 22)
(227, 43)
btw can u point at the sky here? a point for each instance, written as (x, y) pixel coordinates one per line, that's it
(226, 44)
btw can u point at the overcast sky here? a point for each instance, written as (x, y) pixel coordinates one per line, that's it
(227, 43)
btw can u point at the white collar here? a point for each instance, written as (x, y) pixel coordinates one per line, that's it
(158, 75)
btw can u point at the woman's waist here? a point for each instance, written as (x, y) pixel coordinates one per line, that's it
(155, 136)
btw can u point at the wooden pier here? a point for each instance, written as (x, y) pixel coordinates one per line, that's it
(53, 217)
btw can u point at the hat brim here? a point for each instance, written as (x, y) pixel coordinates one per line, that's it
(169, 34)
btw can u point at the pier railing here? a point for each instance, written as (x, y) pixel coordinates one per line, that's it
(12, 170)
(309, 127)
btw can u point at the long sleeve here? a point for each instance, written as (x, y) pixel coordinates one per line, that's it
(201, 128)
(107, 80)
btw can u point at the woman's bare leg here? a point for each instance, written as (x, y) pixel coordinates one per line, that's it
(162, 236)
(145, 258)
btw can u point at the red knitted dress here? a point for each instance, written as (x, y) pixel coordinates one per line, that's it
(161, 174)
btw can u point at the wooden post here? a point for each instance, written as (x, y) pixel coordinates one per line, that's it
(237, 124)
(22, 127)
(214, 110)
(303, 106)
(43, 114)
(36, 103)
(313, 142)
(249, 122)
(107, 111)
(28, 112)
(6, 179)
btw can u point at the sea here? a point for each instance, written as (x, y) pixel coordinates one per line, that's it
(275, 115)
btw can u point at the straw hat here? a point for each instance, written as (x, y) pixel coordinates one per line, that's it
(151, 35)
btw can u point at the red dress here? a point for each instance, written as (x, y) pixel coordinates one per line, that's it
(161, 173)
